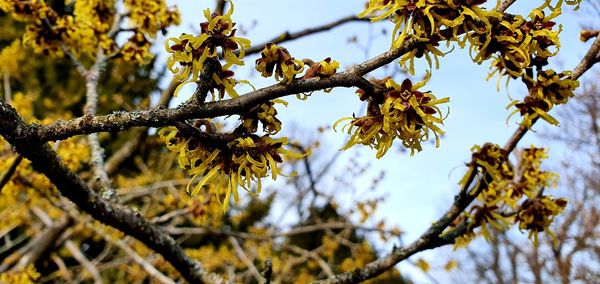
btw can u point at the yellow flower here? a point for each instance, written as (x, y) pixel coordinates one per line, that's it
(549, 89)
(10, 57)
(423, 265)
(151, 16)
(328, 67)
(490, 159)
(27, 275)
(137, 49)
(278, 59)
(401, 112)
(266, 114)
(217, 33)
(227, 165)
(538, 214)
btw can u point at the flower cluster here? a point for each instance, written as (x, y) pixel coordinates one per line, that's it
(191, 52)
(323, 69)
(538, 214)
(423, 19)
(82, 32)
(137, 49)
(276, 59)
(10, 57)
(400, 111)
(506, 188)
(88, 29)
(531, 177)
(26, 275)
(265, 114)
(519, 47)
(25, 11)
(515, 44)
(151, 16)
(548, 90)
(490, 159)
(146, 19)
(224, 165)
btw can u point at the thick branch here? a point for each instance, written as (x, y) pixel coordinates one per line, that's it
(46, 161)
(158, 117)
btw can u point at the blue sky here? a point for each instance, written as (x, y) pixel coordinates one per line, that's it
(420, 187)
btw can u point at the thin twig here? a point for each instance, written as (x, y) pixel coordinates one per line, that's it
(287, 36)
(78, 255)
(149, 268)
(7, 89)
(242, 256)
(92, 76)
(220, 8)
(312, 255)
(267, 273)
(62, 267)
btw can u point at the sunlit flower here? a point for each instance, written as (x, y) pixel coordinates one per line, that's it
(322, 69)
(532, 178)
(10, 56)
(151, 16)
(548, 90)
(229, 164)
(276, 59)
(490, 159)
(482, 216)
(217, 33)
(400, 112)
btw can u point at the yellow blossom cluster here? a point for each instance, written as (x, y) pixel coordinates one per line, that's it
(147, 18)
(322, 69)
(548, 90)
(28, 275)
(151, 16)
(276, 59)
(265, 114)
(87, 30)
(511, 195)
(10, 57)
(518, 46)
(538, 214)
(400, 112)
(216, 34)
(224, 166)
(423, 19)
(137, 49)
(47, 31)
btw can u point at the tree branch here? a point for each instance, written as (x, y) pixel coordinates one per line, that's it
(431, 238)
(46, 161)
(158, 116)
(149, 268)
(78, 255)
(287, 36)
(138, 135)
